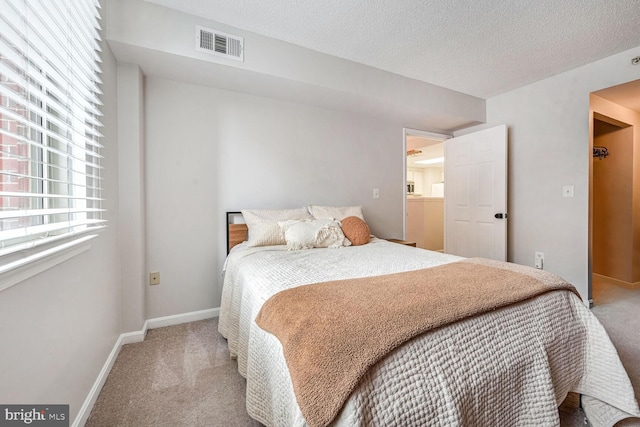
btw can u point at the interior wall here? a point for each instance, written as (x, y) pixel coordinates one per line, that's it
(132, 195)
(209, 151)
(432, 176)
(58, 327)
(162, 42)
(612, 202)
(548, 125)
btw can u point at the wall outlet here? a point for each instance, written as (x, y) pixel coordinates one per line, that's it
(538, 261)
(567, 191)
(154, 278)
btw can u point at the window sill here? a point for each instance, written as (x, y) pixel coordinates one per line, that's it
(24, 268)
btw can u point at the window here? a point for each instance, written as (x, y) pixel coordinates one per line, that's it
(50, 162)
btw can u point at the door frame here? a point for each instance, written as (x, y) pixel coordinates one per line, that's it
(590, 211)
(423, 134)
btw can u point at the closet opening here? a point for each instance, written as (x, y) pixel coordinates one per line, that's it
(614, 202)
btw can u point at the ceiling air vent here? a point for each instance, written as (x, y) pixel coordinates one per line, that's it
(219, 43)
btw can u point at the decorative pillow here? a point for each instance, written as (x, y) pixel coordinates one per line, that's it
(335, 212)
(263, 224)
(307, 234)
(356, 230)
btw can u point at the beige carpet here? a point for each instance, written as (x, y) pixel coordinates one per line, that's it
(618, 309)
(182, 375)
(179, 376)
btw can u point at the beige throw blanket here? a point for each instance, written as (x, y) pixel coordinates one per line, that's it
(333, 332)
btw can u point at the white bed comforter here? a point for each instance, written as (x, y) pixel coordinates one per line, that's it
(513, 366)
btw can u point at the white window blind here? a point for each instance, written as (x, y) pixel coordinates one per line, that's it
(50, 162)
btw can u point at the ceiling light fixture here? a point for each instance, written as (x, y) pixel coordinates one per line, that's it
(431, 161)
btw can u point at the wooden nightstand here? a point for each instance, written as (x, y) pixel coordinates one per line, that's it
(403, 242)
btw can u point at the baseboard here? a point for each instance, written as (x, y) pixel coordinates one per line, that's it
(176, 319)
(85, 410)
(618, 282)
(130, 338)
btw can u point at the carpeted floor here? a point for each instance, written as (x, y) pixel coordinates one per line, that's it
(617, 309)
(178, 376)
(182, 375)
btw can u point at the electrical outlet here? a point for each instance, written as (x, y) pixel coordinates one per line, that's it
(567, 191)
(154, 278)
(538, 261)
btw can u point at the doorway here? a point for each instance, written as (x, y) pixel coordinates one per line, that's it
(614, 196)
(424, 189)
(475, 193)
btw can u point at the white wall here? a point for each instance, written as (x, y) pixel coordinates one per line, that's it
(310, 128)
(431, 176)
(162, 41)
(549, 147)
(211, 150)
(132, 195)
(58, 327)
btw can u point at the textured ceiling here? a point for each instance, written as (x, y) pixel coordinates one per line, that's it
(478, 47)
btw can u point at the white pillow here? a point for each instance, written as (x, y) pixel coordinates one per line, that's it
(263, 224)
(335, 212)
(307, 234)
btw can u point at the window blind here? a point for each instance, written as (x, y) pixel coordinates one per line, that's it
(50, 161)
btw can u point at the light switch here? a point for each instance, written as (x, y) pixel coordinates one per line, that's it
(376, 193)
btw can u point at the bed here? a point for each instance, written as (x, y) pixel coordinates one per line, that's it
(510, 366)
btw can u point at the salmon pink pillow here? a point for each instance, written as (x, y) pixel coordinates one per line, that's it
(356, 230)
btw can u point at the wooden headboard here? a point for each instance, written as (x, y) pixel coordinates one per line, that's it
(236, 233)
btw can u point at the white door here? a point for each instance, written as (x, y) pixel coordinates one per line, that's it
(476, 194)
